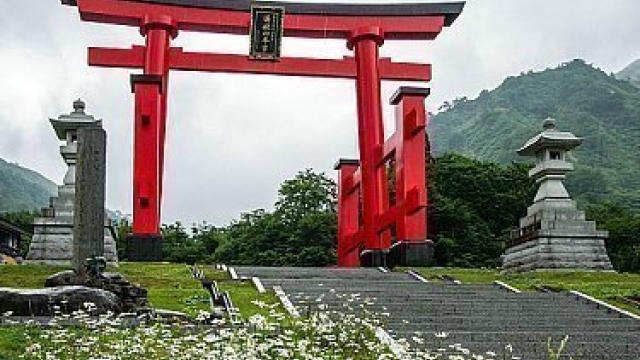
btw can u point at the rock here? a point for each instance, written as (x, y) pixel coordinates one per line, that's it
(64, 278)
(132, 297)
(170, 315)
(41, 302)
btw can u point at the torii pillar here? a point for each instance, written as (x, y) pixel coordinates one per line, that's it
(150, 118)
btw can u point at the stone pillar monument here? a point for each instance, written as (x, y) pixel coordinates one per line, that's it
(88, 232)
(52, 241)
(554, 234)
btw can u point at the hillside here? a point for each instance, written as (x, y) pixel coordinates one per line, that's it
(631, 73)
(22, 188)
(583, 99)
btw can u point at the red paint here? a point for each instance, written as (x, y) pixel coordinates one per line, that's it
(411, 190)
(150, 118)
(146, 162)
(408, 215)
(225, 63)
(348, 244)
(365, 43)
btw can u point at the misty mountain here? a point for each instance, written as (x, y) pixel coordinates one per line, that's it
(22, 188)
(602, 109)
(631, 73)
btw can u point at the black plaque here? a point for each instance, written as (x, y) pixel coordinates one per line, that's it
(266, 32)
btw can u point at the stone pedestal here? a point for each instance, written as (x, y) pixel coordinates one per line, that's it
(411, 253)
(144, 247)
(556, 236)
(373, 258)
(52, 242)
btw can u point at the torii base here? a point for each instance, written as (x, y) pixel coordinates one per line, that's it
(374, 258)
(144, 247)
(411, 253)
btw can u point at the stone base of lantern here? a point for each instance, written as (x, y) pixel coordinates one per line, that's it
(52, 242)
(556, 236)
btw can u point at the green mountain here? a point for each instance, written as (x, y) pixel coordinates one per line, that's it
(22, 188)
(602, 109)
(631, 73)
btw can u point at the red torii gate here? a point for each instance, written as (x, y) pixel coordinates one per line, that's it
(367, 221)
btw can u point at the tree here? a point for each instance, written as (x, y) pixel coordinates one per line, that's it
(306, 193)
(198, 245)
(475, 205)
(623, 244)
(301, 231)
(123, 228)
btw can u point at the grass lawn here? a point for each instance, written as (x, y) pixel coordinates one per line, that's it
(601, 285)
(170, 287)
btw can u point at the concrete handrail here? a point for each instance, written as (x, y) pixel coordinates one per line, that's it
(284, 299)
(506, 286)
(604, 304)
(416, 275)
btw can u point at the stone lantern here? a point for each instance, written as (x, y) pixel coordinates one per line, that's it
(550, 149)
(66, 128)
(554, 234)
(53, 232)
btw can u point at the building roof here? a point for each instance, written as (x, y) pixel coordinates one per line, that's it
(9, 227)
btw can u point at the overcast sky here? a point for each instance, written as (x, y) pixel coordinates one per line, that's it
(228, 145)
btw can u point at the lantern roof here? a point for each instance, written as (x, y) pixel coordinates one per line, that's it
(550, 138)
(75, 120)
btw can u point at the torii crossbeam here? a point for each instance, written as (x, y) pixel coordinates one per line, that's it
(363, 27)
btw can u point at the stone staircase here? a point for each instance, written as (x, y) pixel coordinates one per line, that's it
(481, 318)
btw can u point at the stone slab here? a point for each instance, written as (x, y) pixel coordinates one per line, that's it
(88, 231)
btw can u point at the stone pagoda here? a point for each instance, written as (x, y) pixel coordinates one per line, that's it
(555, 234)
(52, 241)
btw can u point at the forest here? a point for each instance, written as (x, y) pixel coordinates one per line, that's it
(473, 206)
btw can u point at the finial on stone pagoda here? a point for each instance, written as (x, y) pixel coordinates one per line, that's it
(78, 106)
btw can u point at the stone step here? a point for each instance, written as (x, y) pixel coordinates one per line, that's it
(532, 336)
(497, 326)
(534, 320)
(450, 307)
(481, 317)
(538, 350)
(563, 300)
(523, 339)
